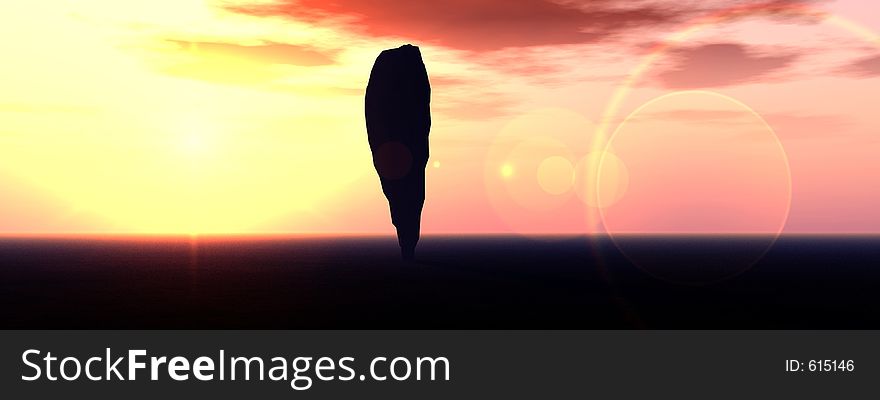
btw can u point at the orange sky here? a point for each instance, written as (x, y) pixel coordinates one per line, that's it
(185, 116)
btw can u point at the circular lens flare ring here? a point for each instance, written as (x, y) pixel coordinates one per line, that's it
(612, 109)
(719, 177)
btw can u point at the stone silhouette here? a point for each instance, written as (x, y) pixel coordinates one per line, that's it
(398, 116)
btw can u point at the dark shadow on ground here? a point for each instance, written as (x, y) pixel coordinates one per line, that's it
(455, 283)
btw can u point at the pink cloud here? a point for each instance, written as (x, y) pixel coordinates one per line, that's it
(720, 64)
(485, 25)
(864, 67)
(478, 25)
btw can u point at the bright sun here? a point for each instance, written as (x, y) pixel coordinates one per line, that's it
(135, 135)
(195, 136)
(192, 143)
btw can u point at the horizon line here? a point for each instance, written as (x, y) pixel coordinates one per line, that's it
(123, 235)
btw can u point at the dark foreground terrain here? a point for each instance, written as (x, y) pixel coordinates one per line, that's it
(466, 282)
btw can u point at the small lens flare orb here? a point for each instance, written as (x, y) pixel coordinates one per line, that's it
(507, 171)
(529, 172)
(555, 175)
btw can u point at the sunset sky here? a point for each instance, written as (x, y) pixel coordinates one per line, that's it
(189, 116)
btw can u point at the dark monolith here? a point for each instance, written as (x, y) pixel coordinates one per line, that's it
(398, 113)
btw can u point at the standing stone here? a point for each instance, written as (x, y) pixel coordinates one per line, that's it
(398, 114)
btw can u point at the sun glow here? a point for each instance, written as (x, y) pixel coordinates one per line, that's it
(195, 136)
(94, 120)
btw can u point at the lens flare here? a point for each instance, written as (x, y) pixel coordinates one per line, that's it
(612, 180)
(555, 175)
(699, 164)
(530, 173)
